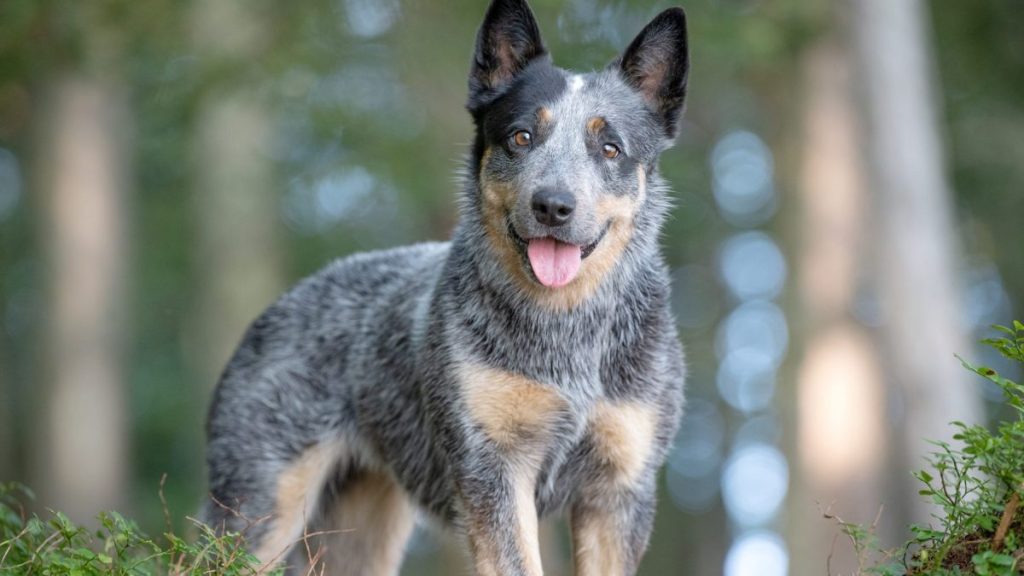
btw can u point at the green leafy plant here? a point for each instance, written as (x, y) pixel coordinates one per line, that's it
(977, 485)
(55, 546)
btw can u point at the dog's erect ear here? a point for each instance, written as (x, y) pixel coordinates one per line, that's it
(507, 41)
(657, 64)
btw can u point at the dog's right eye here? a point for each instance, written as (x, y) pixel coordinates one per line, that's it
(522, 138)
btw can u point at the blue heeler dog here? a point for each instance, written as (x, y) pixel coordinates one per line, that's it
(530, 365)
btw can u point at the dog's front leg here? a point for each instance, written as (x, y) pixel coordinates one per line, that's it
(500, 518)
(512, 423)
(610, 534)
(613, 508)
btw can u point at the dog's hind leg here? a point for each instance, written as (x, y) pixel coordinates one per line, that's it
(271, 501)
(364, 528)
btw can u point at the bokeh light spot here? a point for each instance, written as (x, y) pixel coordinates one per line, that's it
(757, 554)
(753, 266)
(742, 169)
(757, 325)
(746, 379)
(755, 480)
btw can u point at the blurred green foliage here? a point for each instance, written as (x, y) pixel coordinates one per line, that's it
(58, 547)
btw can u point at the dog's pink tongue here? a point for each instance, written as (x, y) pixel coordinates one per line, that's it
(554, 263)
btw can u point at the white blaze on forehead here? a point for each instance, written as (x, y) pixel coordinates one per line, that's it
(567, 143)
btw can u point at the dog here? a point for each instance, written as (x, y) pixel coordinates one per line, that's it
(530, 365)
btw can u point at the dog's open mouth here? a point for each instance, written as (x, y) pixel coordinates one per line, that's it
(554, 263)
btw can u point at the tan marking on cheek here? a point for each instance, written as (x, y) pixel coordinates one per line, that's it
(485, 158)
(595, 125)
(298, 488)
(494, 198)
(511, 409)
(597, 545)
(496, 195)
(616, 208)
(498, 198)
(623, 437)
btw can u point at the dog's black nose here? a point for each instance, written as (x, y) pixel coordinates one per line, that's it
(553, 207)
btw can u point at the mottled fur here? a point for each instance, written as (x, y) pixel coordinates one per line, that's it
(445, 378)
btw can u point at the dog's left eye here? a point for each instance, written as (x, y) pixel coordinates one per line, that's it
(522, 138)
(610, 150)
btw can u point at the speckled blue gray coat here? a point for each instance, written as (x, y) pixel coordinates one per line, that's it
(445, 378)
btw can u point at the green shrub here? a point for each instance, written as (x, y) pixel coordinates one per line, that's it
(977, 484)
(55, 546)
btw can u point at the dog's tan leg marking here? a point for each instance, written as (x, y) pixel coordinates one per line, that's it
(526, 511)
(298, 488)
(374, 519)
(517, 414)
(485, 551)
(622, 434)
(483, 548)
(598, 545)
(486, 548)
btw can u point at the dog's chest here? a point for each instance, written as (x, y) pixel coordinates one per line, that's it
(561, 437)
(525, 418)
(611, 449)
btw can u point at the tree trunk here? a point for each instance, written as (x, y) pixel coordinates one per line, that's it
(840, 391)
(916, 247)
(236, 206)
(82, 459)
(6, 426)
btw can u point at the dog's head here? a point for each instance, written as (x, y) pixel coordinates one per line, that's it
(562, 159)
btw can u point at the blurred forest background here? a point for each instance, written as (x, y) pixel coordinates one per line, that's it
(850, 199)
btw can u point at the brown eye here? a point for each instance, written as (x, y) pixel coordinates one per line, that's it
(610, 151)
(522, 138)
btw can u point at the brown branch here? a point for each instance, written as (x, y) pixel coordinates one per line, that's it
(1004, 523)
